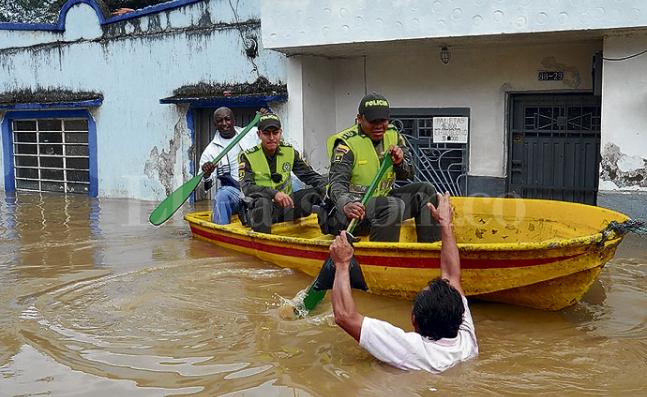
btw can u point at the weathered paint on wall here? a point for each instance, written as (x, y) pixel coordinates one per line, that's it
(621, 171)
(624, 114)
(162, 164)
(298, 24)
(477, 77)
(143, 146)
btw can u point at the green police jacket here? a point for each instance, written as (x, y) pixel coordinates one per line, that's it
(261, 170)
(366, 161)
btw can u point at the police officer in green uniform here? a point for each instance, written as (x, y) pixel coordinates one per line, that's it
(355, 156)
(264, 173)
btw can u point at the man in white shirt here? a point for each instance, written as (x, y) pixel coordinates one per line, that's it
(227, 198)
(444, 331)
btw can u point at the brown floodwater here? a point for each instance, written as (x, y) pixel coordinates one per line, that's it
(95, 301)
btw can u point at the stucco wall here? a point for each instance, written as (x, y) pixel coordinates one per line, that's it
(144, 148)
(477, 78)
(302, 23)
(319, 97)
(624, 115)
(22, 38)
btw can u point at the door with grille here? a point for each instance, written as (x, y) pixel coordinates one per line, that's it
(554, 150)
(444, 164)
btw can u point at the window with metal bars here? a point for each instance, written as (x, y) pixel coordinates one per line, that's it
(442, 164)
(51, 155)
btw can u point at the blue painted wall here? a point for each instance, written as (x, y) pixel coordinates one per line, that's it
(144, 147)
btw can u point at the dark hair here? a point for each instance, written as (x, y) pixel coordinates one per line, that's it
(438, 310)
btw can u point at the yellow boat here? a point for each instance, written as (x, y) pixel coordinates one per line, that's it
(536, 253)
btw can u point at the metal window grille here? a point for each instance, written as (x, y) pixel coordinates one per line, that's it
(442, 164)
(51, 155)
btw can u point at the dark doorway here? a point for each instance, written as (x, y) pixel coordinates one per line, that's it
(204, 133)
(554, 149)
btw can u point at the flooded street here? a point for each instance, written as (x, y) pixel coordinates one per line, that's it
(95, 301)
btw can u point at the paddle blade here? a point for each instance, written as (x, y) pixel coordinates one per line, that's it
(326, 278)
(313, 297)
(174, 201)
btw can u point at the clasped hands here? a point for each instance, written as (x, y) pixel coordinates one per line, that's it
(283, 200)
(355, 209)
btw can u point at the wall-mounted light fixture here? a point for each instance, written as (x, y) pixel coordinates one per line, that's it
(444, 55)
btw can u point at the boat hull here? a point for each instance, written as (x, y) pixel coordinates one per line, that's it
(548, 275)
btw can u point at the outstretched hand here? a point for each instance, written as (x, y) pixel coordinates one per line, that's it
(341, 251)
(444, 213)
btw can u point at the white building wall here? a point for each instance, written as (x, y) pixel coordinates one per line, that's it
(82, 22)
(302, 23)
(144, 147)
(477, 78)
(293, 125)
(25, 38)
(623, 174)
(319, 99)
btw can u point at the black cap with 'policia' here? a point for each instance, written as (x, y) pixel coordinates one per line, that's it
(269, 120)
(374, 107)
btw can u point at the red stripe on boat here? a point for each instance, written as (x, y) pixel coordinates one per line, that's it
(385, 261)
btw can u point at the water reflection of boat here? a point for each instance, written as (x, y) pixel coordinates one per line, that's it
(537, 253)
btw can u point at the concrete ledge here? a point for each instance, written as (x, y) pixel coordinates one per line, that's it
(630, 203)
(491, 186)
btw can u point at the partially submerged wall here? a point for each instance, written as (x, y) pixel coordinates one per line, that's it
(623, 169)
(143, 147)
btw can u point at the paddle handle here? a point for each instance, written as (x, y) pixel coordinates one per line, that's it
(386, 163)
(313, 296)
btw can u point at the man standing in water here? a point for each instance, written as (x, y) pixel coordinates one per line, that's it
(444, 331)
(227, 198)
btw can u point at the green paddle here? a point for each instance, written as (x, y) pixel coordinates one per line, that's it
(174, 201)
(326, 276)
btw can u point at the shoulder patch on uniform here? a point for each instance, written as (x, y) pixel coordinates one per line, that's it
(286, 144)
(342, 148)
(241, 166)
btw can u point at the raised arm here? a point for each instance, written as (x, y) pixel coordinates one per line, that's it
(343, 305)
(450, 264)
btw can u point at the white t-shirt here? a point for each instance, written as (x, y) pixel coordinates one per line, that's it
(229, 163)
(410, 350)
